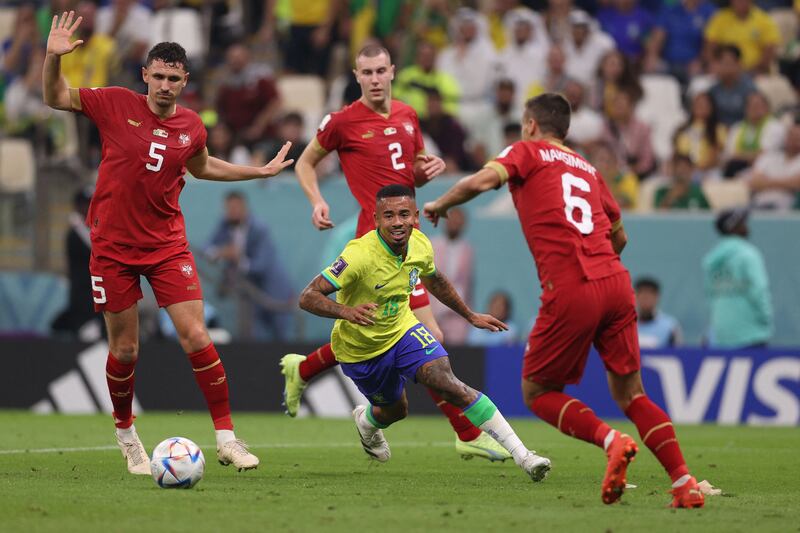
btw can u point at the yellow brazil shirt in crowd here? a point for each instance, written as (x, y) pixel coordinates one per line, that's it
(368, 271)
(90, 65)
(750, 34)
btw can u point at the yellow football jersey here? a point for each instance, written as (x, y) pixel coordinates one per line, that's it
(368, 271)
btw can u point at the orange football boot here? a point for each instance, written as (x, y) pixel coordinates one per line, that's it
(620, 453)
(687, 496)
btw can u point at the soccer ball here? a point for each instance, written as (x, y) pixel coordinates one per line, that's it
(177, 463)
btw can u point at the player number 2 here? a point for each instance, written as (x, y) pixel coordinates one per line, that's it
(397, 152)
(154, 147)
(99, 292)
(571, 203)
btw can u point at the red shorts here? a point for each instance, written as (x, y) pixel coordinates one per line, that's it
(419, 297)
(115, 270)
(600, 312)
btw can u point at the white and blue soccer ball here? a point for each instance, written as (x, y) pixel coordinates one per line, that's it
(177, 463)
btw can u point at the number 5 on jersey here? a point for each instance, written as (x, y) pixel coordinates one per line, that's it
(159, 158)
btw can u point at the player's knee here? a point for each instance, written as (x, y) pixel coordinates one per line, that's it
(126, 352)
(194, 338)
(626, 396)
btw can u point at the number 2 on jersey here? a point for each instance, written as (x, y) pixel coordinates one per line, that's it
(397, 152)
(585, 225)
(154, 146)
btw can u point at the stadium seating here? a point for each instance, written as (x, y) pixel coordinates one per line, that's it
(788, 25)
(184, 25)
(7, 17)
(17, 177)
(779, 92)
(725, 194)
(647, 192)
(661, 109)
(306, 95)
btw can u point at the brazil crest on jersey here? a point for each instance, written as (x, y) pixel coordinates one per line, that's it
(368, 271)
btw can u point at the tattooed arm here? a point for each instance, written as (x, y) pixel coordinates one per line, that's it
(443, 290)
(314, 299)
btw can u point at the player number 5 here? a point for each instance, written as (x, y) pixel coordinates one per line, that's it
(571, 203)
(397, 152)
(154, 146)
(100, 292)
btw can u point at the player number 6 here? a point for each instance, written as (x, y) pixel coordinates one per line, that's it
(100, 297)
(585, 224)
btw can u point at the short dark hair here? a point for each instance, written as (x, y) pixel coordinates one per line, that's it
(395, 191)
(172, 54)
(292, 117)
(726, 49)
(648, 283)
(235, 195)
(551, 112)
(374, 50)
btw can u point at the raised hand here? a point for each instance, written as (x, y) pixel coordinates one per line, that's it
(61, 30)
(278, 163)
(483, 321)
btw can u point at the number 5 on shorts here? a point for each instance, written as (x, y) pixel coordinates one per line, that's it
(99, 292)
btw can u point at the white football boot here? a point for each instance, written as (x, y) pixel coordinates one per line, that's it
(372, 439)
(134, 453)
(536, 466)
(235, 453)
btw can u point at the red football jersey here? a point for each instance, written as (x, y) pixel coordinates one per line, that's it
(141, 171)
(565, 209)
(374, 150)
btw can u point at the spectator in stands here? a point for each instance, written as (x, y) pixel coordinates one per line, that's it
(702, 136)
(471, 59)
(750, 29)
(128, 22)
(616, 74)
(732, 87)
(585, 48)
(501, 308)
(737, 286)
(683, 191)
(446, 132)
(622, 183)
(511, 133)
(678, 37)
(629, 25)
(776, 174)
(92, 63)
(248, 100)
(524, 57)
(253, 266)
(630, 136)
(758, 132)
(557, 19)
(485, 130)
(455, 258)
(586, 125)
(555, 79)
(221, 145)
(290, 128)
(656, 328)
(26, 115)
(18, 49)
(311, 31)
(79, 319)
(412, 83)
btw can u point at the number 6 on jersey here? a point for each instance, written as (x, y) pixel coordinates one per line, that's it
(585, 225)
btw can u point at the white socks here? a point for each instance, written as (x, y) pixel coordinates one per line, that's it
(500, 430)
(682, 481)
(224, 436)
(127, 434)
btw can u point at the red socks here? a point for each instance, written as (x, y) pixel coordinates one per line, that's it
(655, 429)
(570, 416)
(465, 430)
(317, 361)
(119, 377)
(210, 376)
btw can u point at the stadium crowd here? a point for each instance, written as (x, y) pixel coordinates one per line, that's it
(674, 100)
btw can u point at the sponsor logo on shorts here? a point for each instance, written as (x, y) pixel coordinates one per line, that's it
(187, 270)
(430, 350)
(338, 267)
(184, 139)
(191, 287)
(413, 279)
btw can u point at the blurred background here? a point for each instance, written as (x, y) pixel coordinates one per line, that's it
(687, 107)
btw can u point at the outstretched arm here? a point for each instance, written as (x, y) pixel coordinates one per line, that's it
(314, 299)
(438, 285)
(55, 89)
(205, 167)
(463, 191)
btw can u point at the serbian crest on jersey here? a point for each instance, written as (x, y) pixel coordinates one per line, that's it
(187, 270)
(413, 279)
(409, 128)
(184, 139)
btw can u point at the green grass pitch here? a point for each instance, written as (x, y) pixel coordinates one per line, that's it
(315, 477)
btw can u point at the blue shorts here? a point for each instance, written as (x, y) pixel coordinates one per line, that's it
(383, 378)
